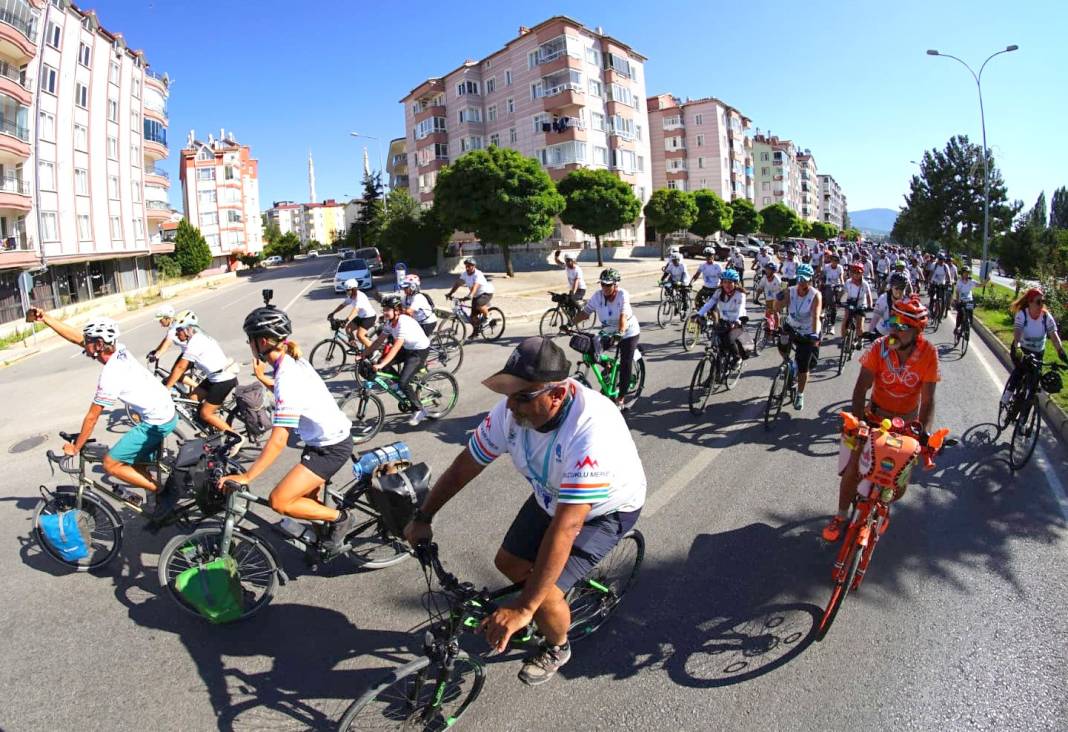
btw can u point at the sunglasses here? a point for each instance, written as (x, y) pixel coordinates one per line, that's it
(526, 397)
(896, 324)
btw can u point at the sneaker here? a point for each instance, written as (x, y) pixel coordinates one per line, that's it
(346, 522)
(543, 665)
(799, 401)
(166, 501)
(417, 418)
(236, 447)
(832, 532)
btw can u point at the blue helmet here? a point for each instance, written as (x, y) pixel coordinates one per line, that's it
(804, 272)
(731, 276)
(771, 266)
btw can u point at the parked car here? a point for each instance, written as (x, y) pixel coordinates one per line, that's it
(346, 253)
(373, 257)
(354, 268)
(271, 261)
(696, 249)
(313, 254)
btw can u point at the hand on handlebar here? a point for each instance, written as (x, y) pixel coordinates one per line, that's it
(233, 482)
(69, 449)
(417, 533)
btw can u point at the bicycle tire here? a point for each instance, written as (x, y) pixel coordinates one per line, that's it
(328, 358)
(840, 592)
(637, 383)
(664, 312)
(691, 333)
(845, 350)
(441, 393)
(776, 396)
(550, 323)
(732, 375)
(1025, 434)
(760, 336)
(367, 414)
(965, 338)
(372, 545)
(596, 596)
(699, 387)
(493, 325)
(404, 703)
(446, 353)
(455, 327)
(1006, 412)
(106, 530)
(254, 562)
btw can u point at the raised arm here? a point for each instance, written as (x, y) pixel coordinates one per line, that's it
(64, 330)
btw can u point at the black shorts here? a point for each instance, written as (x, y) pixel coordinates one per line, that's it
(482, 299)
(429, 328)
(791, 281)
(365, 323)
(215, 392)
(596, 538)
(327, 460)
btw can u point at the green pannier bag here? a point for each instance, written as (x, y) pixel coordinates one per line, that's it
(213, 589)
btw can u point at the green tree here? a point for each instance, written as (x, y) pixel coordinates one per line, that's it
(365, 230)
(191, 252)
(713, 214)
(271, 233)
(821, 231)
(779, 221)
(1037, 216)
(251, 260)
(412, 234)
(670, 210)
(167, 268)
(745, 219)
(1058, 209)
(286, 246)
(499, 195)
(597, 203)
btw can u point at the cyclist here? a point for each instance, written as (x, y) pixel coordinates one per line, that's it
(858, 297)
(939, 277)
(900, 268)
(612, 305)
(302, 403)
(901, 371)
(789, 267)
(165, 316)
(880, 315)
(710, 271)
(479, 289)
(576, 283)
(417, 305)
(833, 278)
(675, 272)
(1032, 323)
(737, 262)
(203, 352)
(588, 485)
(408, 351)
(361, 318)
(962, 297)
(882, 269)
(122, 378)
(803, 305)
(771, 285)
(728, 304)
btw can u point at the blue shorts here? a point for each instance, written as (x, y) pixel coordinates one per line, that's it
(597, 537)
(139, 445)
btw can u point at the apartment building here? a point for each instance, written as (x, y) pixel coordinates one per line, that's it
(221, 192)
(776, 174)
(83, 121)
(833, 206)
(285, 215)
(811, 196)
(568, 95)
(397, 164)
(700, 143)
(322, 222)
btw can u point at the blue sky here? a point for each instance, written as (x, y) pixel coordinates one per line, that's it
(850, 80)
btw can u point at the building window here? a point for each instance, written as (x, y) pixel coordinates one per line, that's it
(765, 171)
(139, 229)
(593, 56)
(474, 142)
(113, 187)
(641, 164)
(205, 154)
(472, 114)
(495, 140)
(46, 173)
(135, 155)
(491, 85)
(81, 181)
(532, 59)
(83, 55)
(113, 110)
(700, 140)
(49, 226)
(84, 232)
(491, 113)
(441, 150)
(135, 188)
(513, 138)
(465, 88)
(116, 228)
(212, 240)
(699, 119)
(46, 126)
(135, 88)
(48, 79)
(211, 218)
(600, 156)
(113, 147)
(536, 90)
(637, 132)
(135, 120)
(595, 88)
(81, 95)
(233, 217)
(597, 119)
(205, 173)
(700, 162)
(54, 35)
(511, 105)
(206, 196)
(81, 137)
(113, 72)
(228, 173)
(508, 77)
(764, 157)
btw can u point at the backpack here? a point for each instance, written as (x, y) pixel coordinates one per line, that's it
(396, 496)
(251, 409)
(191, 476)
(68, 533)
(213, 589)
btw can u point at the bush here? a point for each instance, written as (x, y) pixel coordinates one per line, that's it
(191, 252)
(167, 268)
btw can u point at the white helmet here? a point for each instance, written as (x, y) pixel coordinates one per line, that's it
(676, 257)
(104, 329)
(569, 256)
(709, 251)
(411, 282)
(164, 311)
(352, 284)
(186, 319)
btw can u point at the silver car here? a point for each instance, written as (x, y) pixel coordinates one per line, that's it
(352, 269)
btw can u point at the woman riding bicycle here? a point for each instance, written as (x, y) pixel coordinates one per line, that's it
(803, 306)
(409, 350)
(1032, 323)
(962, 298)
(728, 304)
(576, 283)
(302, 403)
(771, 285)
(417, 305)
(612, 305)
(362, 316)
(710, 271)
(858, 297)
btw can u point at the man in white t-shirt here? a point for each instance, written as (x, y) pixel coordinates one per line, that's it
(479, 289)
(587, 489)
(409, 350)
(203, 352)
(710, 271)
(362, 316)
(576, 282)
(611, 303)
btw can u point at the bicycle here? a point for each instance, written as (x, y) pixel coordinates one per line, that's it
(1022, 410)
(437, 390)
(890, 453)
(329, 355)
(446, 351)
(719, 366)
(830, 306)
(605, 366)
(434, 691)
(368, 546)
(554, 319)
(490, 328)
(852, 341)
(962, 334)
(784, 383)
(675, 300)
(937, 304)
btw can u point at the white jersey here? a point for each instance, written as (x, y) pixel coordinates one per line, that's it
(421, 309)
(964, 289)
(730, 309)
(205, 353)
(710, 274)
(590, 458)
(124, 379)
(738, 262)
(477, 278)
(574, 274)
(939, 274)
(363, 306)
(799, 311)
(762, 261)
(405, 327)
(609, 311)
(833, 275)
(860, 293)
(1035, 330)
(789, 269)
(880, 314)
(771, 288)
(676, 272)
(302, 402)
(883, 265)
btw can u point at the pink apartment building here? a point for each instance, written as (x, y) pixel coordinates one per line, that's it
(565, 94)
(777, 175)
(700, 143)
(810, 196)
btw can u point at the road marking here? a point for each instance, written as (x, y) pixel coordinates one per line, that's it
(680, 480)
(314, 280)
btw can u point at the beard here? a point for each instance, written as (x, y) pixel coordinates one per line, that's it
(523, 422)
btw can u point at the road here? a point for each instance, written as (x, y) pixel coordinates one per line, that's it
(959, 624)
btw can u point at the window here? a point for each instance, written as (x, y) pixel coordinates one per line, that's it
(84, 233)
(700, 162)
(135, 189)
(135, 88)
(113, 72)
(623, 160)
(474, 142)
(699, 119)
(532, 59)
(471, 114)
(620, 93)
(113, 147)
(139, 229)
(491, 113)
(593, 56)
(765, 186)
(465, 88)
(54, 35)
(637, 132)
(212, 240)
(536, 90)
(46, 173)
(495, 140)
(211, 218)
(540, 120)
(205, 173)
(764, 157)
(81, 95)
(49, 226)
(508, 77)
(491, 85)
(641, 164)
(511, 105)
(765, 171)
(135, 120)
(767, 199)
(595, 88)
(113, 186)
(513, 138)
(233, 217)
(81, 181)
(116, 228)
(618, 64)
(565, 153)
(700, 140)
(600, 156)
(598, 120)
(83, 54)
(48, 79)
(81, 137)
(207, 196)
(441, 150)
(135, 155)
(228, 173)
(46, 126)
(113, 110)
(429, 126)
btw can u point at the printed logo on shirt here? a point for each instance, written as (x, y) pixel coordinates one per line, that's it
(559, 452)
(586, 462)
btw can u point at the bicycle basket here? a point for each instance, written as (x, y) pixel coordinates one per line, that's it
(1052, 382)
(887, 460)
(586, 343)
(559, 298)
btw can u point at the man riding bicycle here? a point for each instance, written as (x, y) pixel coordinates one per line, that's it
(858, 297)
(710, 271)
(362, 316)
(803, 306)
(939, 277)
(409, 350)
(576, 283)
(479, 289)
(674, 272)
(588, 489)
(771, 285)
(833, 278)
(901, 371)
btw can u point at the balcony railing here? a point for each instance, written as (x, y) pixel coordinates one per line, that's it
(25, 26)
(561, 88)
(158, 205)
(13, 184)
(10, 72)
(15, 130)
(157, 172)
(158, 76)
(19, 242)
(159, 137)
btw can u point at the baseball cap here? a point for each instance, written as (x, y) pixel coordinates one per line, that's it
(536, 360)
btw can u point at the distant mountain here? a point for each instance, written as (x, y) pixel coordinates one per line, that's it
(878, 220)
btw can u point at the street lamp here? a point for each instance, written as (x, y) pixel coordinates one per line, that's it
(984, 268)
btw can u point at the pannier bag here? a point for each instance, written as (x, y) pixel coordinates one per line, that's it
(213, 589)
(251, 408)
(68, 533)
(586, 343)
(396, 496)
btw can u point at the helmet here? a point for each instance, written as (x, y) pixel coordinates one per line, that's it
(569, 256)
(470, 260)
(673, 250)
(941, 257)
(804, 272)
(610, 277)
(104, 329)
(710, 251)
(731, 276)
(899, 263)
(391, 301)
(1032, 293)
(857, 267)
(763, 249)
(352, 284)
(164, 311)
(771, 266)
(911, 312)
(267, 322)
(676, 257)
(411, 282)
(898, 280)
(186, 319)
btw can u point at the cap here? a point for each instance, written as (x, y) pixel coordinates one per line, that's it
(164, 311)
(536, 360)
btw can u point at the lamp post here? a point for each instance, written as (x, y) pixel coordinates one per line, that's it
(984, 269)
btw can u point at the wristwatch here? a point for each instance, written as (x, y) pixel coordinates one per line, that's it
(422, 518)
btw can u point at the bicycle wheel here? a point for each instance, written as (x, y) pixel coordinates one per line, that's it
(581, 375)
(664, 312)
(550, 323)
(965, 337)
(437, 392)
(446, 353)
(598, 594)
(372, 546)
(691, 333)
(845, 350)
(105, 527)
(700, 387)
(1025, 434)
(366, 412)
(1006, 412)
(732, 374)
(328, 358)
(493, 326)
(841, 589)
(777, 394)
(637, 383)
(406, 698)
(257, 570)
(760, 336)
(454, 327)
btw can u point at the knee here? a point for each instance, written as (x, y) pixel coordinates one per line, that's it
(111, 465)
(511, 566)
(278, 503)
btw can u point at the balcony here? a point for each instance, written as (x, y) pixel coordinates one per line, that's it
(156, 115)
(155, 176)
(431, 110)
(673, 123)
(13, 84)
(155, 150)
(159, 80)
(15, 194)
(559, 62)
(18, 29)
(158, 210)
(14, 141)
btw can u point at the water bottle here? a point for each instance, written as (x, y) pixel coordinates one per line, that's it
(373, 459)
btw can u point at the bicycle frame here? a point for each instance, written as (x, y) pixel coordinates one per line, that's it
(85, 482)
(605, 369)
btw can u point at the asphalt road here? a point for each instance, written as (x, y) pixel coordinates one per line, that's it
(959, 624)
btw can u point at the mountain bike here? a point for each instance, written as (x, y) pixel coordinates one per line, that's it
(491, 328)
(329, 355)
(675, 301)
(962, 334)
(446, 351)
(852, 341)
(1022, 410)
(890, 451)
(432, 692)
(937, 305)
(600, 357)
(719, 367)
(368, 546)
(437, 390)
(784, 383)
(554, 319)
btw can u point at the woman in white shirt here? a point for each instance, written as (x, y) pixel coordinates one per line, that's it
(612, 305)
(202, 351)
(728, 303)
(1032, 323)
(576, 283)
(418, 305)
(962, 297)
(409, 350)
(362, 316)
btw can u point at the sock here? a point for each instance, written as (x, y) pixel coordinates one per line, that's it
(341, 516)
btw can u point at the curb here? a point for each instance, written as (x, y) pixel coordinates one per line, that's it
(1056, 416)
(533, 315)
(14, 359)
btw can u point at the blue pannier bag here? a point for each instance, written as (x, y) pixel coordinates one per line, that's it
(68, 533)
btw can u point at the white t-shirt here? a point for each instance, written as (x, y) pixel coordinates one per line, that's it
(883, 265)
(861, 293)
(730, 309)
(124, 379)
(964, 289)
(363, 306)
(710, 274)
(738, 261)
(408, 329)
(799, 310)
(590, 458)
(420, 306)
(677, 272)
(302, 402)
(789, 268)
(202, 351)
(880, 314)
(833, 275)
(609, 312)
(762, 260)
(939, 274)
(477, 278)
(771, 288)
(574, 274)
(1034, 331)
(172, 336)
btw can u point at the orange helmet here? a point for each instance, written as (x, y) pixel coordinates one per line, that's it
(910, 312)
(856, 267)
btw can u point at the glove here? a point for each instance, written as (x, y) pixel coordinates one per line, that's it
(151, 357)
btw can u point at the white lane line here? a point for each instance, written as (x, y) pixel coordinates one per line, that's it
(315, 281)
(680, 480)
(1056, 487)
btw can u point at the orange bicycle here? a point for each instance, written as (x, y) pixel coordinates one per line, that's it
(890, 451)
